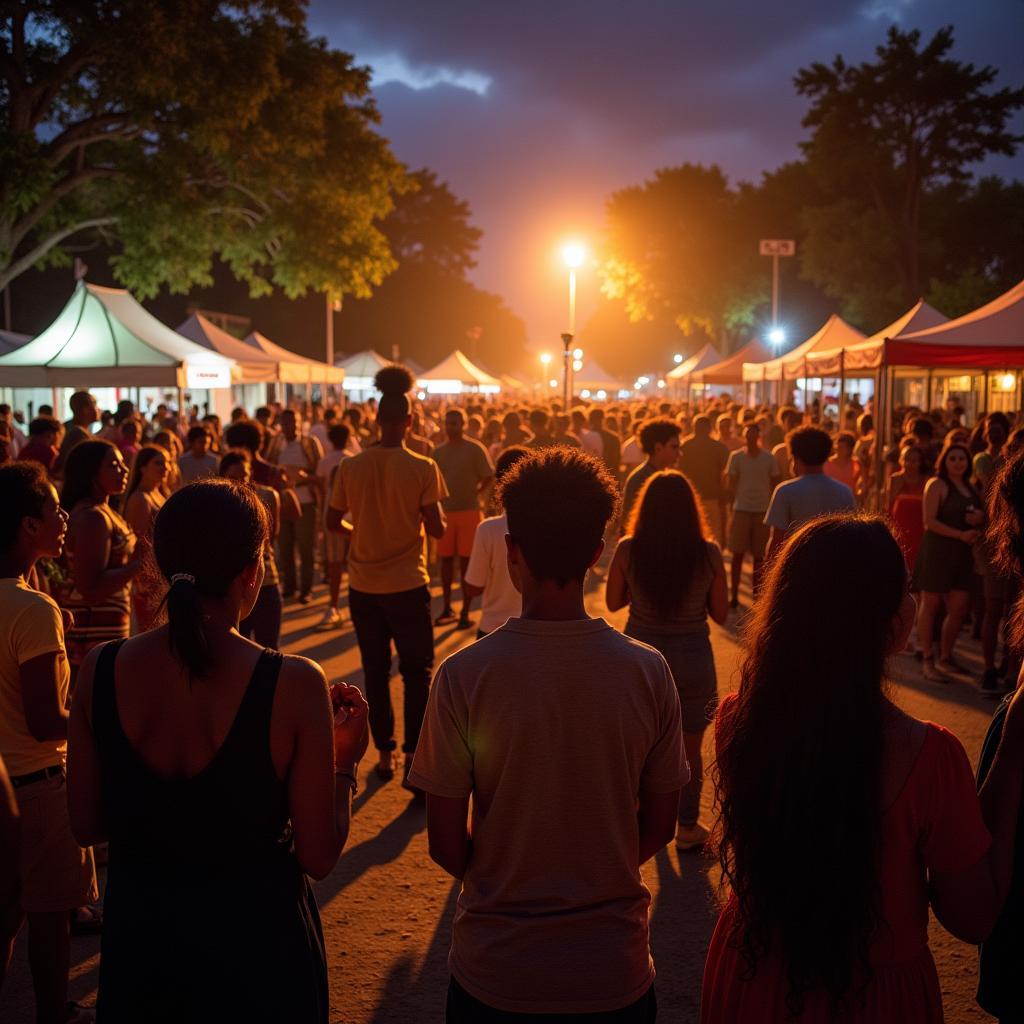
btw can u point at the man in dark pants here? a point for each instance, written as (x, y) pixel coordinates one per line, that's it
(391, 494)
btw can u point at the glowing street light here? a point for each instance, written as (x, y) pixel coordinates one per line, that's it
(577, 353)
(545, 358)
(677, 359)
(776, 336)
(574, 255)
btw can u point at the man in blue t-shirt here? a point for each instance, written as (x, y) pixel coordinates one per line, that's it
(811, 493)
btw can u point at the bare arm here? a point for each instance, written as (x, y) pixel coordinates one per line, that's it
(656, 817)
(934, 492)
(433, 520)
(718, 594)
(89, 541)
(45, 714)
(616, 591)
(448, 833)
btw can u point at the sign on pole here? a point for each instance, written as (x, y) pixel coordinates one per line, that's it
(776, 247)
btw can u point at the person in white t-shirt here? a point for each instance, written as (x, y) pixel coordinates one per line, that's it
(335, 543)
(487, 572)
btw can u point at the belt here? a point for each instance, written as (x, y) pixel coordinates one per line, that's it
(43, 773)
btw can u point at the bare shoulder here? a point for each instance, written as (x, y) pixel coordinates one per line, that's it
(303, 683)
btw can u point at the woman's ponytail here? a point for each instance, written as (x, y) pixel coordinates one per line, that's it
(205, 535)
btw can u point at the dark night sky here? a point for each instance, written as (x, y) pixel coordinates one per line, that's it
(535, 111)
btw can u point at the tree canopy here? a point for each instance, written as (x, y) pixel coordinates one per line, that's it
(189, 131)
(888, 137)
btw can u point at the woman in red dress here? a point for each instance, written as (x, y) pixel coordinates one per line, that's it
(903, 497)
(843, 818)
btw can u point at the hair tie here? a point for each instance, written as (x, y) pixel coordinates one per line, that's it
(186, 577)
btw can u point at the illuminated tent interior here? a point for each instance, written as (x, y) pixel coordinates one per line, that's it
(254, 365)
(457, 374)
(103, 337)
(360, 369)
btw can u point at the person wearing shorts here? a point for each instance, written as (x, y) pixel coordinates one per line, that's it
(56, 876)
(751, 475)
(467, 471)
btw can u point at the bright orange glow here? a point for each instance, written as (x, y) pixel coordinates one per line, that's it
(545, 358)
(574, 254)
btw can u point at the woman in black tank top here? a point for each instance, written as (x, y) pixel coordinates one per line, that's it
(208, 764)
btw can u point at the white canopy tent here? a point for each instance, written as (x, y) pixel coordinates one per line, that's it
(300, 369)
(455, 375)
(833, 334)
(705, 356)
(254, 365)
(360, 369)
(595, 379)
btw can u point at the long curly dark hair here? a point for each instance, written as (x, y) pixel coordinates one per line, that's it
(1005, 534)
(798, 773)
(668, 540)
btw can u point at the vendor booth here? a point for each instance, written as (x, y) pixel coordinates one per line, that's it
(787, 378)
(257, 372)
(726, 376)
(329, 380)
(855, 367)
(679, 378)
(105, 341)
(360, 369)
(593, 381)
(457, 375)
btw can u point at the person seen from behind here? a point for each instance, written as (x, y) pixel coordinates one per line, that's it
(53, 874)
(750, 477)
(143, 498)
(197, 462)
(953, 515)
(811, 493)
(391, 496)
(43, 432)
(670, 573)
(881, 806)
(659, 440)
(487, 573)
(566, 736)
(221, 777)
(335, 543)
(467, 472)
(703, 460)
(263, 623)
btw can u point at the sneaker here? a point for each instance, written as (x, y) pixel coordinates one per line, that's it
(691, 837)
(952, 668)
(931, 671)
(331, 619)
(305, 597)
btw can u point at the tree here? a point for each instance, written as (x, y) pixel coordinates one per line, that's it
(185, 131)
(886, 134)
(429, 224)
(427, 307)
(676, 249)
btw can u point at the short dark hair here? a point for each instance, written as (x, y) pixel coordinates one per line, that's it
(846, 437)
(338, 435)
(596, 418)
(81, 400)
(233, 457)
(538, 419)
(245, 434)
(811, 445)
(25, 487)
(558, 502)
(922, 427)
(43, 425)
(657, 431)
(507, 459)
(197, 432)
(702, 425)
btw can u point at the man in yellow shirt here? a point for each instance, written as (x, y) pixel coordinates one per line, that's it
(391, 494)
(56, 875)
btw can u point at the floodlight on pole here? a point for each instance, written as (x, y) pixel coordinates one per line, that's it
(677, 359)
(776, 336)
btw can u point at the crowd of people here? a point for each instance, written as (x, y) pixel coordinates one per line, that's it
(145, 561)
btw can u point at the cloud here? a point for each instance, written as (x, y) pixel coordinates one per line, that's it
(536, 111)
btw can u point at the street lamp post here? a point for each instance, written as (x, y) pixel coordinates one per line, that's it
(574, 255)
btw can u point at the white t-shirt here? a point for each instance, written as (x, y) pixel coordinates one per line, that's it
(325, 467)
(488, 568)
(592, 442)
(752, 477)
(292, 455)
(319, 431)
(632, 453)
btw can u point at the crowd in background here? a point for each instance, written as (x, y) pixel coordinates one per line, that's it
(514, 501)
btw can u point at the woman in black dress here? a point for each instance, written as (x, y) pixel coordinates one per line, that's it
(214, 769)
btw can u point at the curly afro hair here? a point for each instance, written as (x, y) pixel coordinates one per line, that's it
(394, 379)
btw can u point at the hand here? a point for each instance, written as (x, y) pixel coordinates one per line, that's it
(969, 536)
(976, 517)
(350, 735)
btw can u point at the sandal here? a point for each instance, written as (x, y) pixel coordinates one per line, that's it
(446, 618)
(86, 920)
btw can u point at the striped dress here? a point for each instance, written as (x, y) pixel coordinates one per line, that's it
(95, 624)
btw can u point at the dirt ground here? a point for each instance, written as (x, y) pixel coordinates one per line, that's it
(387, 909)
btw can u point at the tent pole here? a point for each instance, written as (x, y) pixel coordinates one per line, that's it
(881, 431)
(985, 393)
(842, 389)
(58, 405)
(930, 377)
